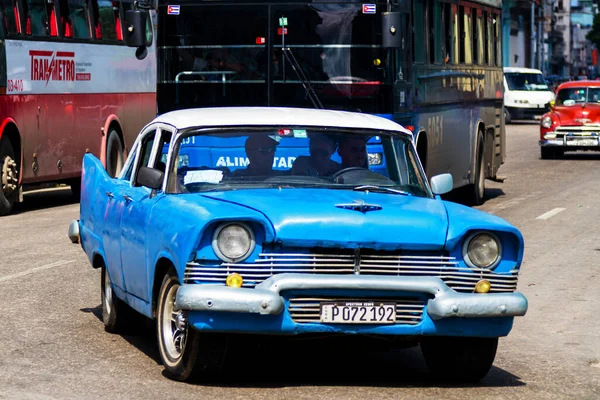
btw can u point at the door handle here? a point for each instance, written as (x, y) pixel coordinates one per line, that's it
(109, 194)
(127, 198)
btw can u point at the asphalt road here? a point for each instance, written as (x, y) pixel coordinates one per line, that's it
(53, 345)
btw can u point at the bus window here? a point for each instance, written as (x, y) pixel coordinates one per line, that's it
(486, 38)
(448, 32)
(37, 19)
(65, 23)
(52, 18)
(107, 20)
(78, 11)
(117, 16)
(11, 22)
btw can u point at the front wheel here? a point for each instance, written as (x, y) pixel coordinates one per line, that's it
(9, 177)
(185, 352)
(459, 359)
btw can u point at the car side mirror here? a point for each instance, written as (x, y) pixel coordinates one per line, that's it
(441, 184)
(150, 177)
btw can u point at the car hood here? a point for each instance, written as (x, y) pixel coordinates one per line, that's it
(310, 217)
(578, 115)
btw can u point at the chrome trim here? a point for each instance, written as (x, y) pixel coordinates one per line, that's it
(461, 279)
(307, 310)
(266, 297)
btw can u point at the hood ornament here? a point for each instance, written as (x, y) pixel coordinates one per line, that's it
(360, 205)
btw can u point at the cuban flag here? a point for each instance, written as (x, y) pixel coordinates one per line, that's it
(368, 8)
(173, 10)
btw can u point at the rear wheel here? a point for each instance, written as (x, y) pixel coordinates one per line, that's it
(185, 352)
(114, 154)
(459, 359)
(117, 316)
(9, 177)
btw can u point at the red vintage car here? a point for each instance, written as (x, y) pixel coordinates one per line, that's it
(573, 120)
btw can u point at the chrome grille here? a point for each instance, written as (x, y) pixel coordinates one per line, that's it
(268, 264)
(307, 309)
(586, 129)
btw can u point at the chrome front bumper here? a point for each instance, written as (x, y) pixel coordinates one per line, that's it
(266, 297)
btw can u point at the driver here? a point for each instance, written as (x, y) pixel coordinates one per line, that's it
(319, 163)
(353, 150)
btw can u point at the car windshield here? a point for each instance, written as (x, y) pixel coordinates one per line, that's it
(578, 95)
(526, 81)
(296, 157)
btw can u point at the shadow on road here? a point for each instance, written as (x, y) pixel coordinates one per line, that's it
(46, 198)
(524, 122)
(458, 195)
(582, 156)
(256, 361)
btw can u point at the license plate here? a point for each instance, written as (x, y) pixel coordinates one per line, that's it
(582, 142)
(358, 313)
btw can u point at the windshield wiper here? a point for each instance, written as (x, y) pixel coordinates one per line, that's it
(381, 189)
(287, 53)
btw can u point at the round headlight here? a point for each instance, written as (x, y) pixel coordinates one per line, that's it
(233, 242)
(482, 251)
(546, 122)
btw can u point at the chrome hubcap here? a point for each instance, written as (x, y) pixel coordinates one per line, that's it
(9, 176)
(107, 294)
(174, 326)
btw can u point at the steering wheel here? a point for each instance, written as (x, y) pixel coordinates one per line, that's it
(336, 175)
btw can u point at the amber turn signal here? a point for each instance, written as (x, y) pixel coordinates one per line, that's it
(234, 280)
(483, 286)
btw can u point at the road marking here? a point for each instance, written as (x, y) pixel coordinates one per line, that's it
(36, 269)
(551, 213)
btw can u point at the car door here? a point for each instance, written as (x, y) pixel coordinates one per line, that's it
(111, 234)
(138, 204)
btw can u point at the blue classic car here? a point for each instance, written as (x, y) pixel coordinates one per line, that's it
(318, 246)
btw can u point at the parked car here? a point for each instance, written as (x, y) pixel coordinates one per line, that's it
(572, 122)
(320, 247)
(526, 93)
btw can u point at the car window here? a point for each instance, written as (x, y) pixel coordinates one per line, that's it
(232, 159)
(147, 144)
(577, 95)
(129, 163)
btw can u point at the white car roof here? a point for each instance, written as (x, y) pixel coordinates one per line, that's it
(232, 116)
(522, 70)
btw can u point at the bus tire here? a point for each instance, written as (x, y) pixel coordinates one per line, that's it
(75, 185)
(9, 177)
(475, 192)
(114, 154)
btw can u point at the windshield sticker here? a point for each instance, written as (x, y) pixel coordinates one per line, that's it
(300, 133)
(173, 10)
(206, 176)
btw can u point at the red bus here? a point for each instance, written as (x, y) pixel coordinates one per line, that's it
(69, 85)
